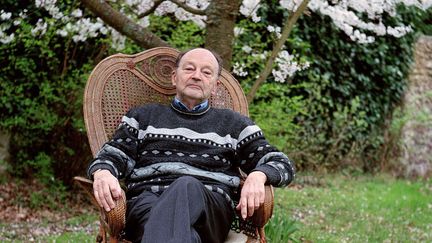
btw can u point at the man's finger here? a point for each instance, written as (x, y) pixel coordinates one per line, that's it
(251, 206)
(116, 192)
(243, 208)
(98, 200)
(108, 197)
(257, 203)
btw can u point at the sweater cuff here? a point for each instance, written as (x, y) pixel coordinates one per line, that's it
(101, 166)
(273, 176)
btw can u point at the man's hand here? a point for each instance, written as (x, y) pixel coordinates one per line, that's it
(252, 194)
(106, 189)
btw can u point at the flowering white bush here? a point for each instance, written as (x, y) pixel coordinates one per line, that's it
(238, 69)
(287, 66)
(344, 14)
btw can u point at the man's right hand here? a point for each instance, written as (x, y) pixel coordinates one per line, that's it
(106, 189)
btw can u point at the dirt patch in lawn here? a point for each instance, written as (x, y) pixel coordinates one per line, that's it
(28, 213)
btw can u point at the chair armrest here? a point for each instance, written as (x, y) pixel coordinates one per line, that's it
(263, 214)
(114, 220)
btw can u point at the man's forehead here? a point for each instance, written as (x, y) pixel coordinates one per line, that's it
(201, 56)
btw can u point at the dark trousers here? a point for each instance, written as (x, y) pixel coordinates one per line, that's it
(185, 212)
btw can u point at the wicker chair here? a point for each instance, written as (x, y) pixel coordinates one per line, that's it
(121, 82)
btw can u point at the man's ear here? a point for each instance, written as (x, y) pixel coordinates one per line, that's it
(173, 78)
(213, 91)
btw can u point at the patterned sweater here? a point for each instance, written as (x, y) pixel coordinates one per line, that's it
(155, 144)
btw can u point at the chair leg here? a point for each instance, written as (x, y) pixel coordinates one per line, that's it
(101, 237)
(113, 240)
(262, 235)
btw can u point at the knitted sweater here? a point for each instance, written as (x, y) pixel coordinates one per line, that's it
(155, 144)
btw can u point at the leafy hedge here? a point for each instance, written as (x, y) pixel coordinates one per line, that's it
(41, 84)
(334, 114)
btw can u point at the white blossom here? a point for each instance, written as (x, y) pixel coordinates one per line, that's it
(4, 39)
(238, 31)
(118, 40)
(5, 15)
(181, 14)
(23, 14)
(238, 69)
(344, 14)
(291, 5)
(246, 49)
(261, 56)
(77, 13)
(249, 8)
(62, 32)
(143, 6)
(144, 22)
(276, 30)
(40, 28)
(286, 66)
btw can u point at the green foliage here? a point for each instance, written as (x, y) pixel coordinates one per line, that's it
(275, 110)
(281, 228)
(41, 84)
(179, 34)
(338, 107)
(353, 91)
(48, 198)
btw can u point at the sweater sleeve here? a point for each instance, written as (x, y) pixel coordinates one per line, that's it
(120, 153)
(256, 154)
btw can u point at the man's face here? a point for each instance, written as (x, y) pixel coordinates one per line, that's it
(196, 77)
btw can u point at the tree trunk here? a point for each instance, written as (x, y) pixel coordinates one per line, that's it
(221, 17)
(123, 24)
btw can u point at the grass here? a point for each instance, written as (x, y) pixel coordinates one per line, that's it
(354, 209)
(330, 208)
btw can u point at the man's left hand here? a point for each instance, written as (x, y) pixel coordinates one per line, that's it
(252, 194)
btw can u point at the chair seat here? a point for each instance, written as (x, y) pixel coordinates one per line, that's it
(234, 237)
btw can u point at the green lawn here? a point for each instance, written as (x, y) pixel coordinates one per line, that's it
(332, 208)
(354, 209)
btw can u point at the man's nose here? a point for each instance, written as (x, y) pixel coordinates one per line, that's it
(196, 75)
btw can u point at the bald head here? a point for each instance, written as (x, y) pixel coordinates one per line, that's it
(215, 55)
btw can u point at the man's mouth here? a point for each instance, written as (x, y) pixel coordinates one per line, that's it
(193, 86)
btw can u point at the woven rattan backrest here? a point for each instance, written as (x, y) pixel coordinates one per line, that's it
(121, 82)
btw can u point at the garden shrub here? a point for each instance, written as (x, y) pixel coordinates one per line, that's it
(340, 105)
(41, 83)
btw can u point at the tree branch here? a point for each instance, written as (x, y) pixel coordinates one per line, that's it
(288, 26)
(123, 24)
(152, 9)
(188, 8)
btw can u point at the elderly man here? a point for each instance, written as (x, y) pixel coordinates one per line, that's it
(180, 162)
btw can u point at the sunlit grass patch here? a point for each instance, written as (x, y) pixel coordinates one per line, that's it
(360, 209)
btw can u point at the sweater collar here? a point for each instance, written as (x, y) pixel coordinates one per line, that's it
(197, 110)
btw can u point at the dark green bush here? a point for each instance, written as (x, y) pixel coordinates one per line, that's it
(334, 113)
(41, 83)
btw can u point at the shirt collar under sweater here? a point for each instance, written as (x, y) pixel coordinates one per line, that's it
(197, 110)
